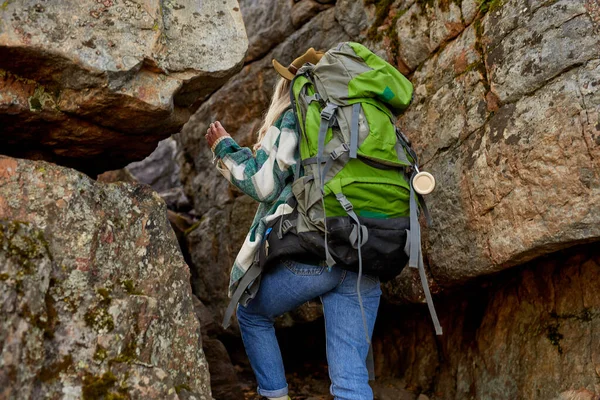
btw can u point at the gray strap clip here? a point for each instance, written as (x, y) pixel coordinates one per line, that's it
(344, 202)
(338, 151)
(328, 111)
(286, 226)
(315, 97)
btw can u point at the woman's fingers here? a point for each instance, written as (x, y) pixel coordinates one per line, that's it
(219, 130)
(215, 130)
(210, 130)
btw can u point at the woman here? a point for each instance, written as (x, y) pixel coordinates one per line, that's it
(267, 175)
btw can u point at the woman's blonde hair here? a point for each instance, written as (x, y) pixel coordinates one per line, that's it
(279, 102)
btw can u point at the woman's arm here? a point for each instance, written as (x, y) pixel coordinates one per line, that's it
(263, 175)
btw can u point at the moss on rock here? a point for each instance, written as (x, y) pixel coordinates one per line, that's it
(97, 387)
(489, 5)
(130, 288)
(127, 355)
(53, 371)
(23, 245)
(100, 354)
(98, 317)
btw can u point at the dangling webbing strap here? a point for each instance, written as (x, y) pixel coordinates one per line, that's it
(327, 120)
(416, 256)
(371, 363)
(406, 144)
(354, 130)
(359, 234)
(297, 171)
(424, 208)
(249, 277)
(358, 238)
(299, 164)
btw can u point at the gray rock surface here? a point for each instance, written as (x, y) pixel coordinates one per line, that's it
(212, 251)
(517, 172)
(421, 29)
(353, 17)
(96, 86)
(529, 44)
(528, 333)
(161, 171)
(223, 377)
(267, 26)
(95, 294)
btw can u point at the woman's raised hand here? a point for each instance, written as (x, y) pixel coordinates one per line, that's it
(214, 132)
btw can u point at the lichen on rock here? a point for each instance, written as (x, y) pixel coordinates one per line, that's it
(95, 295)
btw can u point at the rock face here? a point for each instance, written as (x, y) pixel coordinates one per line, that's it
(223, 378)
(96, 86)
(268, 26)
(506, 116)
(95, 295)
(517, 165)
(528, 333)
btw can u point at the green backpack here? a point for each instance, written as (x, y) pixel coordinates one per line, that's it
(355, 200)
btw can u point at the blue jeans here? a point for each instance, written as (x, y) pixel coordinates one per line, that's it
(290, 284)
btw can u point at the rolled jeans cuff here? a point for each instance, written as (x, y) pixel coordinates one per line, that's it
(273, 393)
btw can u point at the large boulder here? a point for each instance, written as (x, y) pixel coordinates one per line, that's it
(506, 117)
(95, 295)
(97, 85)
(267, 26)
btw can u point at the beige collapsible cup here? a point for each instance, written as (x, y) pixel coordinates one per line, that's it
(424, 183)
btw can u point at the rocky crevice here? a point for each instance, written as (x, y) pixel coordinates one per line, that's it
(503, 140)
(504, 116)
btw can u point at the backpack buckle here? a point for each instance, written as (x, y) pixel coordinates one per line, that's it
(338, 151)
(328, 111)
(345, 203)
(286, 225)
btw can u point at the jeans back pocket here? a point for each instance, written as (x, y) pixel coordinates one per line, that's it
(298, 268)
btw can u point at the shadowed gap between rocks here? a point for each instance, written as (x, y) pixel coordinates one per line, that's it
(545, 308)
